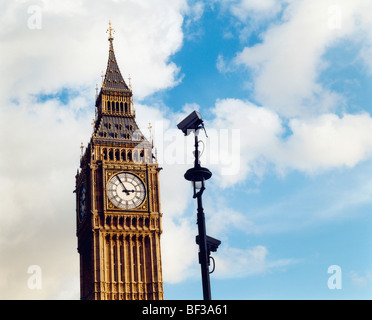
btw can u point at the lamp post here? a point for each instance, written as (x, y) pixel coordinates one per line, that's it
(198, 175)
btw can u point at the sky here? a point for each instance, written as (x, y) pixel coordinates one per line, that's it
(284, 88)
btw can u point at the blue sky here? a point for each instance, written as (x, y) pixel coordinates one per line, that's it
(303, 219)
(284, 87)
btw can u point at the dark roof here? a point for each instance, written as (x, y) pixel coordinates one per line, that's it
(118, 129)
(113, 79)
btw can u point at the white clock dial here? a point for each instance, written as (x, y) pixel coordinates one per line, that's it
(126, 190)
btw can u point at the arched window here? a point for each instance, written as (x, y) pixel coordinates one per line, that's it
(126, 107)
(115, 260)
(123, 156)
(141, 266)
(121, 107)
(142, 155)
(111, 155)
(135, 273)
(108, 222)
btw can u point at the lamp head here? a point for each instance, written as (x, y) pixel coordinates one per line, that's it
(198, 174)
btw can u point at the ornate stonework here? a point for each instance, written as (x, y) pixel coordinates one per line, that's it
(118, 220)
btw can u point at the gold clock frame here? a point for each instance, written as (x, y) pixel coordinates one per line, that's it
(143, 207)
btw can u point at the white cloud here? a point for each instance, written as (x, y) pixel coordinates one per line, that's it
(38, 207)
(255, 9)
(179, 251)
(239, 263)
(361, 280)
(257, 130)
(66, 49)
(294, 127)
(313, 144)
(221, 220)
(70, 49)
(289, 60)
(326, 142)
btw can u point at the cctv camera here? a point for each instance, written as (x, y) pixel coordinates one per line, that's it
(212, 243)
(193, 121)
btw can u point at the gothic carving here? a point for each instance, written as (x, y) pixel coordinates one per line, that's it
(119, 248)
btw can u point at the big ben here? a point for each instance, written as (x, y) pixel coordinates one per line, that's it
(118, 202)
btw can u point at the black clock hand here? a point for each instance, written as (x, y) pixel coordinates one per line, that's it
(125, 189)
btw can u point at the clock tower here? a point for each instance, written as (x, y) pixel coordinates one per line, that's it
(118, 203)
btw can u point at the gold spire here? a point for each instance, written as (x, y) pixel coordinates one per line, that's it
(110, 31)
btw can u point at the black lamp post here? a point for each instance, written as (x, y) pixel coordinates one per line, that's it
(198, 175)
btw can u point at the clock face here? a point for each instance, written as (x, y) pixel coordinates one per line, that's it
(82, 202)
(126, 191)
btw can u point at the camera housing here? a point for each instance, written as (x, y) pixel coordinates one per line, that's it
(192, 122)
(212, 243)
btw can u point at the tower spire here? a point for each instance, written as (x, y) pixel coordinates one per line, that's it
(113, 80)
(118, 217)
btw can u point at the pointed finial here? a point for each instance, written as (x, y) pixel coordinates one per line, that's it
(110, 31)
(150, 127)
(151, 137)
(129, 82)
(82, 149)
